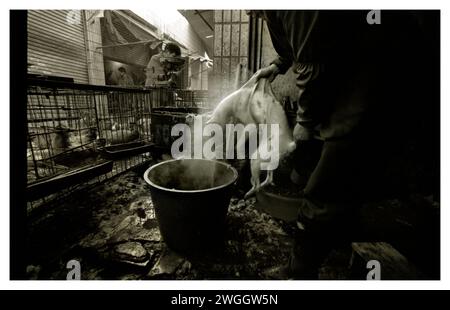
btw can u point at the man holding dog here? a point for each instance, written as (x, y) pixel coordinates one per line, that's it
(353, 79)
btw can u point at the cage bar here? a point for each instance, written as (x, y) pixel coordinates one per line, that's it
(75, 128)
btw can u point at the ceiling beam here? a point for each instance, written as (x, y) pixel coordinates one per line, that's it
(201, 11)
(204, 20)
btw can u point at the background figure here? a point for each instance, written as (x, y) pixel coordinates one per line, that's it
(159, 67)
(123, 78)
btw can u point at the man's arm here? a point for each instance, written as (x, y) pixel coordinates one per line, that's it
(279, 41)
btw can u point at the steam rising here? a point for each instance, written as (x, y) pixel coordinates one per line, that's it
(190, 174)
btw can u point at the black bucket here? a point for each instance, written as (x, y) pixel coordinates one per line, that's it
(191, 198)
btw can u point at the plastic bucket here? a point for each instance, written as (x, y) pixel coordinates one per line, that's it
(191, 198)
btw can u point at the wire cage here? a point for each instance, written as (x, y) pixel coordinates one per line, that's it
(79, 135)
(62, 130)
(190, 98)
(124, 121)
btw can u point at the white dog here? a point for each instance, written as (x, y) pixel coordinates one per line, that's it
(255, 103)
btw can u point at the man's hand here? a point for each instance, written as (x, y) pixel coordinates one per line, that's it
(269, 72)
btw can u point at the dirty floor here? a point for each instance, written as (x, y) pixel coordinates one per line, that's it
(112, 231)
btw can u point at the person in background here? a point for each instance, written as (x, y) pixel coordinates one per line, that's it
(156, 70)
(123, 78)
(141, 77)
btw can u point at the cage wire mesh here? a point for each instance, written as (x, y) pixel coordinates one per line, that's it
(61, 122)
(73, 130)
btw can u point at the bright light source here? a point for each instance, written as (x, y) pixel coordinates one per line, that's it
(161, 17)
(210, 36)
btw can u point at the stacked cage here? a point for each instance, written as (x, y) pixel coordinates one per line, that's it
(80, 135)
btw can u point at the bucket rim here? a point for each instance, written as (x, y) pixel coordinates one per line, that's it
(235, 176)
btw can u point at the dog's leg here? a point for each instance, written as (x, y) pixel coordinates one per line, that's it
(268, 180)
(255, 181)
(269, 176)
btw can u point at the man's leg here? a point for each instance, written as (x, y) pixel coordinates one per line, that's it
(306, 157)
(328, 206)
